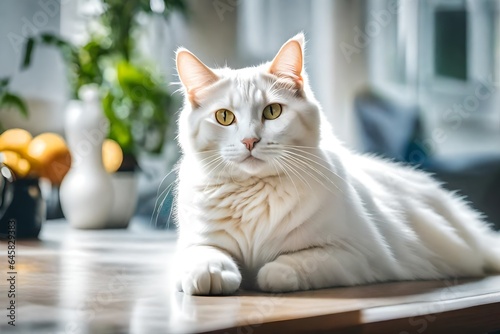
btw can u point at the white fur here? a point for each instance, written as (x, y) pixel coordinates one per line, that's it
(306, 216)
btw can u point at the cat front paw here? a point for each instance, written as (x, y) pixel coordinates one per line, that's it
(278, 277)
(209, 279)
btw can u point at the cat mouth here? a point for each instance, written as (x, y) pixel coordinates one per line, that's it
(251, 159)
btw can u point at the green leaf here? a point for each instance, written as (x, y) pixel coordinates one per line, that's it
(175, 5)
(55, 40)
(4, 83)
(119, 129)
(136, 83)
(122, 134)
(129, 74)
(11, 100)
(28, 52)
(49, 39)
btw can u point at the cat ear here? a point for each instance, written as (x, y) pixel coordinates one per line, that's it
(289, 61)
(193, 73)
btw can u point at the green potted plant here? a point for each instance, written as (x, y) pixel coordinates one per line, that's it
(134, 97)
(10, 100)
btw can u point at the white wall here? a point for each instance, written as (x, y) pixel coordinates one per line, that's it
(44, 84)
(338, 75)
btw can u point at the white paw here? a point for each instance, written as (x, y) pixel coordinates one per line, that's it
(212, 278)
(277, 277)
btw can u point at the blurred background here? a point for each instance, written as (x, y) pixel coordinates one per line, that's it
(414, 81)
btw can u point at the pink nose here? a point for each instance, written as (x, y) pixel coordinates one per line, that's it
(250, 143)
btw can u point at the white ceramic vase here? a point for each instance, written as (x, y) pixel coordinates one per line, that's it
(125, 199)
(87, 190)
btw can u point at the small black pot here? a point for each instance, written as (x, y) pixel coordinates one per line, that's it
(22, 208)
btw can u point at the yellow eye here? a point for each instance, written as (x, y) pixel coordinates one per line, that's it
(272, 111)
(224, 117)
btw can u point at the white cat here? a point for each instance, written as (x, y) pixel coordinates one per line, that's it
(268, 199)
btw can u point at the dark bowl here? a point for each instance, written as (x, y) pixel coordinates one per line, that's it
(22, 208)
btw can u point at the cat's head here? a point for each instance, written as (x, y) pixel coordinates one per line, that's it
(247, 121)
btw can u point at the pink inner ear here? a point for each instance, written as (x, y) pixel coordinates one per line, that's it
(193, 73)
(288, 62)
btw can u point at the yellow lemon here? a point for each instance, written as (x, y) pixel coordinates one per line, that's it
(112, 155)
(21, 167)
(49, 156)
(16, 140)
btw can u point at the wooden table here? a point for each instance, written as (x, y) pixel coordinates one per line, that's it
(117, 281)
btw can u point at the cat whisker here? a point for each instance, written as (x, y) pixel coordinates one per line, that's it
(216, 160)
(294, 171)
(297, 156)
(172, 208)
(211, 171)
(307, 150)
(158, 194)
(283, 167)
(206, 151)
(213, 155)
(203, 161)
(301, 146)
(175, 168)
(222, 171)
(294, 161)
(213, 164)
(302, 149)
(329, 169)
(207, 164)
(231, 164)
(319, 158)
(303, 167)
(273, 162)
(159, 206)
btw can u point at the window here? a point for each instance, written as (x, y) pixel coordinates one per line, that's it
(450, 43)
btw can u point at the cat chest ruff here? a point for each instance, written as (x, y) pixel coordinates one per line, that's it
(257, 201)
